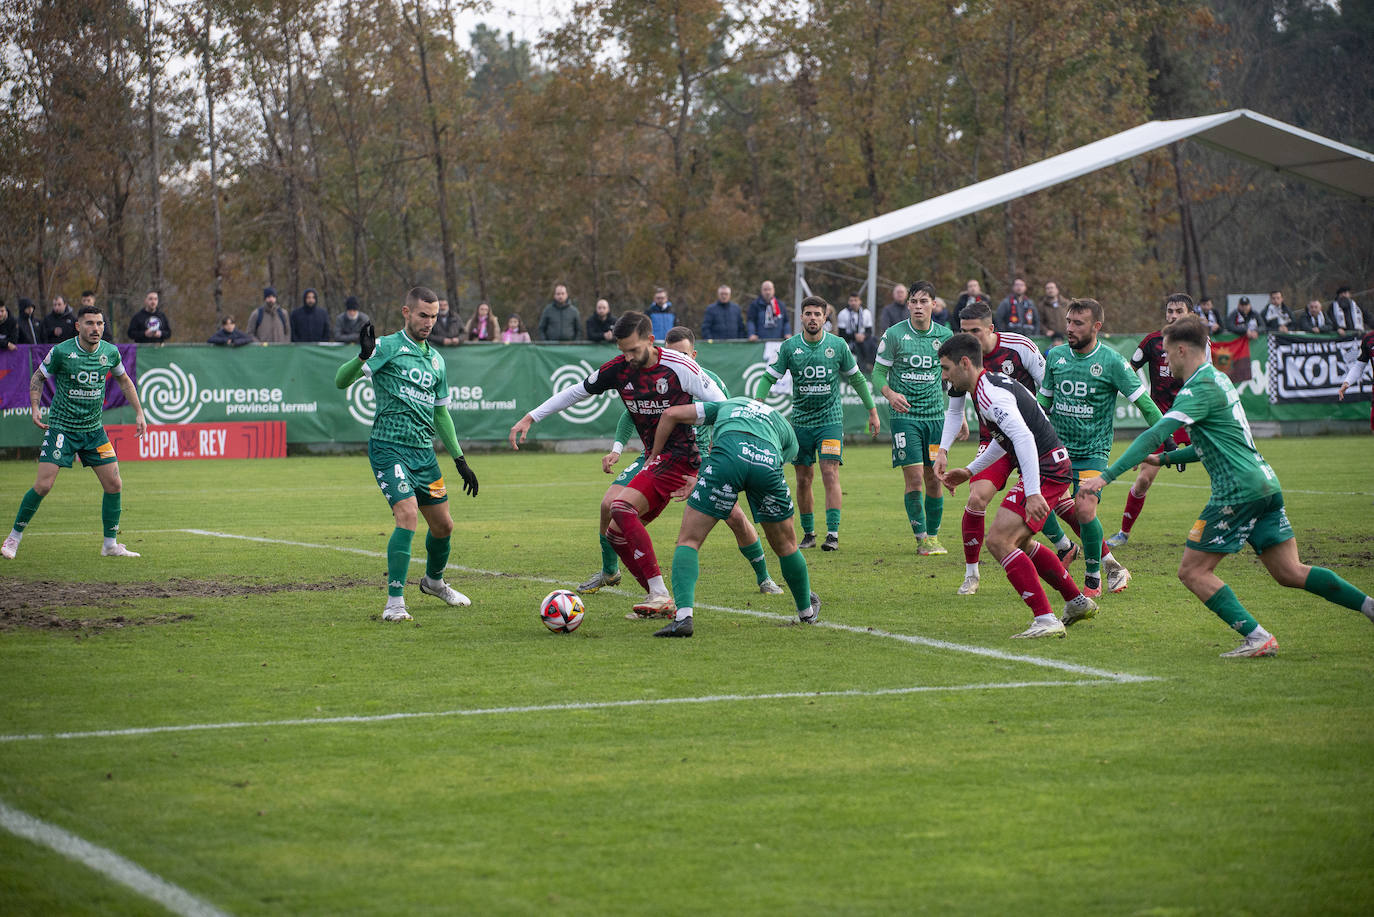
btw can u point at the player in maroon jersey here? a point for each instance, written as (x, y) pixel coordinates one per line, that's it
(1163, 389)
(1355, 371)
(1019, 430)
(1011, 355)
(649, 380)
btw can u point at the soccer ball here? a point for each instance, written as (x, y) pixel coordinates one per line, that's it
(561, 611)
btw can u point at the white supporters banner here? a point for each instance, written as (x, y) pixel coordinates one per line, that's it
(1308, 369)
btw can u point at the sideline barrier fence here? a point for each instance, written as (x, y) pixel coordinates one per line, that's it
(493, 385)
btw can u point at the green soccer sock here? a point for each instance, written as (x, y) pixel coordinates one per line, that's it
(110, 507)
(935, 511)
(1053, 531)
(436, 555)
(798, 578)
(1226, 606)
(915, 512)
(398, 561)
(832, 521)
(1091, 533)
(808, 523)
(754, 554)
(686, 570)
(27, 507)
(1322, 582)
(610, 561)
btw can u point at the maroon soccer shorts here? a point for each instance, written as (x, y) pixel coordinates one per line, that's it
(659, 479)
(1053, 492)
(999, 472)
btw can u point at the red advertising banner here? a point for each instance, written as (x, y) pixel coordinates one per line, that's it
(231, 439)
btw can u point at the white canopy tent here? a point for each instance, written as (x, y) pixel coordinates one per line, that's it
(1243, 133)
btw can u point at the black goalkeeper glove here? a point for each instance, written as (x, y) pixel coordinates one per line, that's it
(466, 473)
(1170, 445)
(367, 341)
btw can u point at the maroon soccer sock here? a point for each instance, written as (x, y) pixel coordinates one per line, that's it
(1134, 503)
(973, 535)
(638, 552)
(620, 545)
(1023, 578)
(1053, 572)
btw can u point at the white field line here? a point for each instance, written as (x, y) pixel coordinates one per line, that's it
(107, 863)
(866, 631)
(548, 708)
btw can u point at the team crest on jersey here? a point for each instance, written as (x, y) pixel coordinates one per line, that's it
(1096, 369)
(104, 360)
(1007, 367)
(830, 353)
(661, 386)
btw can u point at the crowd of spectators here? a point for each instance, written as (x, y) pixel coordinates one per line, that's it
(766, 317)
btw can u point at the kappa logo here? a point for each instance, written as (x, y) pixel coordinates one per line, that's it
(1227, 511)
(797, 352)
(1220, 539)
(1062, 362)
(405, 349)
(1223, 526)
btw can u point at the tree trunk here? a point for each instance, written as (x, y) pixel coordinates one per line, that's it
(217, 262)
(154, 152)
(440, 180)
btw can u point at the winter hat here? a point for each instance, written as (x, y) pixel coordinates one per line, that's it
(269, 291)
(351, 303)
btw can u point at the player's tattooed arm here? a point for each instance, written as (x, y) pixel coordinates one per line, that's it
(36, 398)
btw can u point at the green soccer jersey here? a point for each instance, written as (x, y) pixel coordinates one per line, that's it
(1080, 390)
(751, 418)
(913, 363)
(409, 380)
(78, 378)
(816, 369)
(1210, 405)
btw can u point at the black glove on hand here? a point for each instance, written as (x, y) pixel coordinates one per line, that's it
(464, 472)
(367, 341)
(1170, 445)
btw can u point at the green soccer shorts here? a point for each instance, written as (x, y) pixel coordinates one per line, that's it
(1226, 528)
(915, 440)
(826, 440)
(93, 447)
(737, 465)
(404, 471)
(1085, 469)
(625, 477)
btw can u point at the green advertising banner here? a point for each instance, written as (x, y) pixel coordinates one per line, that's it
(493, 385)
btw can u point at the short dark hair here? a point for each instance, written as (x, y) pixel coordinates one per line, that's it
(817, 302)
(1187, 330)
(1340, 290)
(89, 310)
(90, 293)
(1087, 305)
(921, 286)
(977, 310)
(963, 345)
(1179, 297)
(630, 324)
(421, 294)
(227, 320)
(679, 333)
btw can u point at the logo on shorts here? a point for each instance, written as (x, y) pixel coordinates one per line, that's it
(1195, 533)
(403, 487)
(437, 489)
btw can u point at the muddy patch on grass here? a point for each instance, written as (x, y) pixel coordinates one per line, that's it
(49, 605)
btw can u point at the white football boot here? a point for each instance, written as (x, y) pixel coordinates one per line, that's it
(1042, 626)
(442, 590)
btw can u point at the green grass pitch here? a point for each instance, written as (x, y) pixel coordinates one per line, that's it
(760, 767)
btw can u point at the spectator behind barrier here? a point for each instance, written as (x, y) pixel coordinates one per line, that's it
(1346, 314)
(1314, 321)
(515, 332)
(895, 311)
(60, 324)
(482, 326)
(351, 322)
(149, 325)
(1208, 314)
(600, 324)
(560, 320)
(9, 329)
(269, 322)
(310, 322)
(30, 325)
(229, 335)
(447, 330)
(1244, 320)
(724, 319)
(1276, 314)
(660, 314)
(1017, 313)
(768, 318)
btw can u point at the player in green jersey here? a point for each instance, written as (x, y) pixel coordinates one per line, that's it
(1246, 505)
(1082, 379)
(411, 386)
(907, 372)
(817, 359)
(683, 340)
(751, 442)
(77, 369)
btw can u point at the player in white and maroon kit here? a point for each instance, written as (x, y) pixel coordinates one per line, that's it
(1355, 371)
(649, 380)
(1021, 431)
(1163, 389)
(1011, 355)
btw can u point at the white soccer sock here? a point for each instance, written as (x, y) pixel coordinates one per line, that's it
(1062, 543)
(835, 532)
(657, 586)
(1368, 607)
(109, 542)
(971, 569)
(1258, 635)
(393, 600)
(16, 535)
(683, 614)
